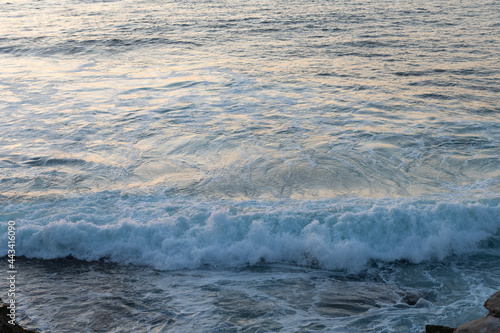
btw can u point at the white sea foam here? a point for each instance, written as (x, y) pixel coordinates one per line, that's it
(332, 234)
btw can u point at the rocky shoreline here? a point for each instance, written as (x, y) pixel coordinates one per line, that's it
(488, 324)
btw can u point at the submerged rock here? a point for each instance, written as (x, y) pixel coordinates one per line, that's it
(438, 329)
(348, 299)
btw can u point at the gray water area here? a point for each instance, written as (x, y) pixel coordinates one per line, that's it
(67, 295)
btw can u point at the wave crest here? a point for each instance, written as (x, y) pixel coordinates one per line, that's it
(332, 234)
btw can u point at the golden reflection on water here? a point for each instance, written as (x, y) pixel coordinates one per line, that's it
(241, 104)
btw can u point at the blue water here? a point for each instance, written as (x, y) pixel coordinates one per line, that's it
(253, 166)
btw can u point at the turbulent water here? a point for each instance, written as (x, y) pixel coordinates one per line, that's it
(250, 166)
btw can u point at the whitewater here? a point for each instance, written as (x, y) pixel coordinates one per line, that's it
(261, 166)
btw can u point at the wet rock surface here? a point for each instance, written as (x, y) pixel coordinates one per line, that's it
(5, 326)
(493, 304)
(488, 324)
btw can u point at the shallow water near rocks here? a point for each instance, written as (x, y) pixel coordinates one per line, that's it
(67, 294)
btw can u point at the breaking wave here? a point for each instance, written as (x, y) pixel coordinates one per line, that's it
(168, 234)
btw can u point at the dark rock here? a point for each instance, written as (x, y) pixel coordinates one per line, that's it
(493, 304)
(412, 297)
(488, 324)
(438, 329)
(5, 327)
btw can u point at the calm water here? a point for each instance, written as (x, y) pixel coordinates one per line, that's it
(212, 166)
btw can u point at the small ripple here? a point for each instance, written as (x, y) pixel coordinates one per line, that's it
(44, 161)
(435, 96)
(72, 46)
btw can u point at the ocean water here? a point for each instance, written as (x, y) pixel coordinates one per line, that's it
(250, 166)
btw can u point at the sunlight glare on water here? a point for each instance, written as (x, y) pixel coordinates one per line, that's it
(265, 100)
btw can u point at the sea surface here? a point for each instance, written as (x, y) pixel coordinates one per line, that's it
(250, 166)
